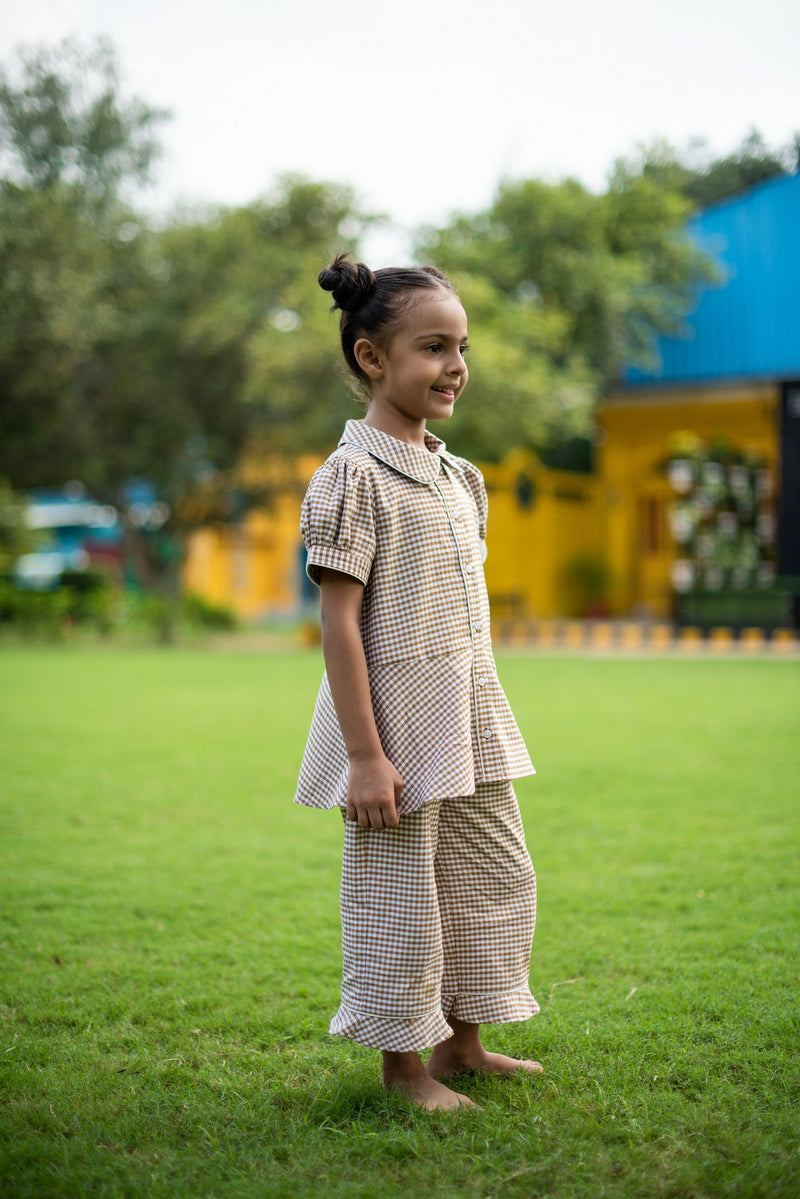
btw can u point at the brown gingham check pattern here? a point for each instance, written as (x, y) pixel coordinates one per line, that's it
(410, 523)
(438, 917)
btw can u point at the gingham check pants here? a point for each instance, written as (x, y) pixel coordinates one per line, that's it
(437, 920)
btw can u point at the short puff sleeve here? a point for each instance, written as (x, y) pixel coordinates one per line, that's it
(337, 520)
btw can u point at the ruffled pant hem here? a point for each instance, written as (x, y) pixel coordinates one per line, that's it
(396, 1034)
(405, 1034)
(504, 1008)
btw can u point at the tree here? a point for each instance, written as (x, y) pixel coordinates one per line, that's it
(564, 288)
(64, 122)
(70, 250)
(16, 535)
(254, 334)
(704, 179)
(128, 353)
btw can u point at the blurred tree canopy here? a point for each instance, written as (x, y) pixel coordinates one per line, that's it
(567, 287)
(564, 288)
(16, 536)
(63, 121)
(704, 179)
(130, 350)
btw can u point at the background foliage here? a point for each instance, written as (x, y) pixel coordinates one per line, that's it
(160, 350)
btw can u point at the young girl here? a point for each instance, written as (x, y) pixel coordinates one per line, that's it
(412, 735)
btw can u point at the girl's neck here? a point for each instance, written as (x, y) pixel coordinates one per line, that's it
(402, 428)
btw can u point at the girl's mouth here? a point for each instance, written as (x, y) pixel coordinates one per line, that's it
(448, 392)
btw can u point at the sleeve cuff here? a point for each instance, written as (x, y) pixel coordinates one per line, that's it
(333, 558)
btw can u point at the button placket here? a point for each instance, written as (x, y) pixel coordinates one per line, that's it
(464, 554)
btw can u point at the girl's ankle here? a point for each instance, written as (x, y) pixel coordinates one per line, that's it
(402, 1066)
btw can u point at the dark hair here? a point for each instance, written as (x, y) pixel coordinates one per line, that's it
(373, 303)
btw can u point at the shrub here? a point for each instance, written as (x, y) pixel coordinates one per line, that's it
(200, 611)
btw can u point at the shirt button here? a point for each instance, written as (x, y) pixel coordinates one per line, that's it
(488, 734)
(458, 514)
(477, 627)
(482, 680)
(470, 568)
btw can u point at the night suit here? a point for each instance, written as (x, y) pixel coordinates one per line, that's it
(437, 914)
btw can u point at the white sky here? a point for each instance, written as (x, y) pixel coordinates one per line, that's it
(424, 106)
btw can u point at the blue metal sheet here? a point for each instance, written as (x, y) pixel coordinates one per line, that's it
(748, 326)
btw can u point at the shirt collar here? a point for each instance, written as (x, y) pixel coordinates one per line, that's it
(422, 465)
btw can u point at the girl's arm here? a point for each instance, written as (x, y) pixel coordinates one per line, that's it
(373, 786)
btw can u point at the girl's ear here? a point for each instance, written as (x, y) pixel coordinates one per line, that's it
(369, 358)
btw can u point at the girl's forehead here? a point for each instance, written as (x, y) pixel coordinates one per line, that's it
(434, 312)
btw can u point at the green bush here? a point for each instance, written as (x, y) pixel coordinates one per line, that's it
(586, 578)
(202, 612)
(34, 613)
(767, 608)
(161, 617)
(92, 600)
(83, 598)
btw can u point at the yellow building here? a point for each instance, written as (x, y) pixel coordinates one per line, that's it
(637, 437)
(560, 543)
(255, 566)
(729, 523)
(628, 538)
(544, 542)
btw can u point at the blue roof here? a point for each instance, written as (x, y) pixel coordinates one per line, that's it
(748, 326)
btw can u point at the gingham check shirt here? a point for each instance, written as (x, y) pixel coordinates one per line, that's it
(410, 523)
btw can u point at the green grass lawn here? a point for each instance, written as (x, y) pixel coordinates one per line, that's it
(169, 954)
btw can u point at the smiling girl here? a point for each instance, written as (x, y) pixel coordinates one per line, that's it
(412, 736)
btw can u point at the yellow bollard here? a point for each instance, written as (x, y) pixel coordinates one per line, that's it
(518, 633)
(574, 634)
(752, 640)
(690, 639)
(720, 640)
(784, 641)
(631, 636)
(546, 633)
(602, 635)
(661, 636)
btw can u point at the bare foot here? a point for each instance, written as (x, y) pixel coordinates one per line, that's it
(429, 1094)
(405, 1072)
(446, 1061)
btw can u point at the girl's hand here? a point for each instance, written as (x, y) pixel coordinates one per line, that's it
(373, 791)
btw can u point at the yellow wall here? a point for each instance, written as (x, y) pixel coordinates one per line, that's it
(530, 547)
(254, 566)
(634, 494)
(538, 552)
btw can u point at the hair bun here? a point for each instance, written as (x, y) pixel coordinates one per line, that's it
(350, 283)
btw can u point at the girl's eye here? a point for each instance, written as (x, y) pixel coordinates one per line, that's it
(435, 348)
(463, 350)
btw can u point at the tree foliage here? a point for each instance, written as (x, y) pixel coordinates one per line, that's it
(132, 352)
(254, 337)
(128, 352)
(63, 120)
(16, 535)
(564, 288)
(704, 179)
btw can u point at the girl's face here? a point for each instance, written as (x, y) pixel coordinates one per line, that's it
(421, 373)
